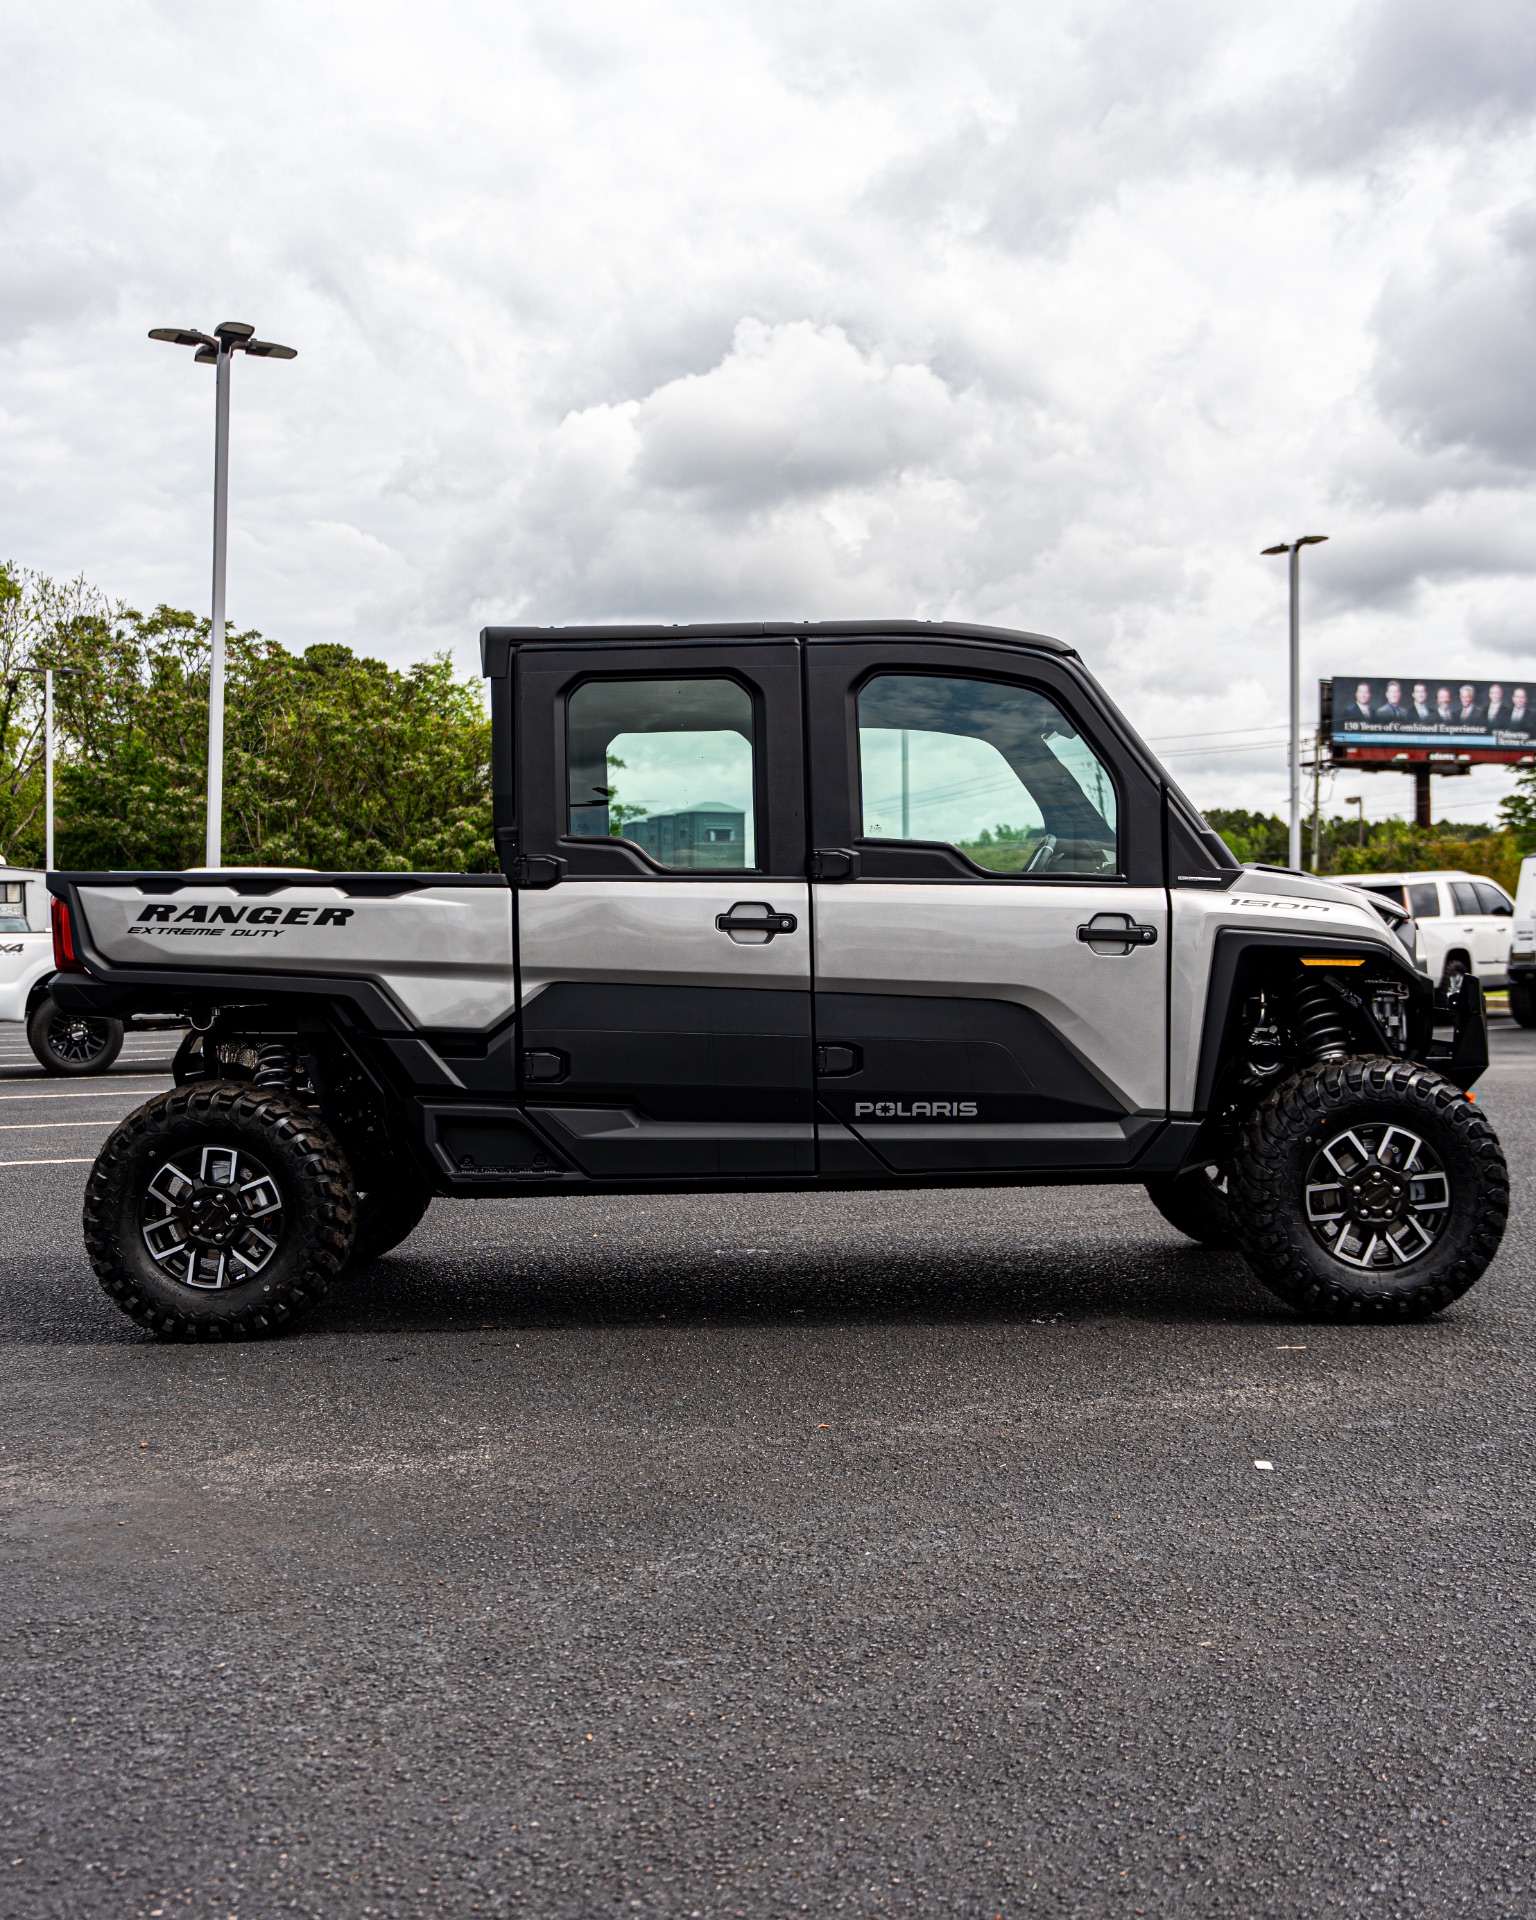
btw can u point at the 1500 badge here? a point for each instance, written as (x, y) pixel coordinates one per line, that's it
(918, 1110)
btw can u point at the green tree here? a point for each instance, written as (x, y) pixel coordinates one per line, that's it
(1398, 846)
(1252, 836)
(33, 610)
(1517, 813)
(332, 759)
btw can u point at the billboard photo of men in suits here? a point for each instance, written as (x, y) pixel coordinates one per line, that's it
(1401, 711)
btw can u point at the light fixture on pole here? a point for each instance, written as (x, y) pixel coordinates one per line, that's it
(218, 350)
(1357, 800)
(48, 673)
(1293, 548)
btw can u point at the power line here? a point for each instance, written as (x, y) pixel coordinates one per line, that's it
(1216, 733)
(1185, 753)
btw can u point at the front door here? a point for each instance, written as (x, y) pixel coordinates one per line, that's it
(991, 916)
(664, 976)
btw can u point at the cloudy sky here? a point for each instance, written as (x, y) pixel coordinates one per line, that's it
(1047, 315)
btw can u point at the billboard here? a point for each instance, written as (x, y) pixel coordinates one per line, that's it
(1453, 714)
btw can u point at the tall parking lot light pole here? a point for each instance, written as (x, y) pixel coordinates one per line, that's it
(218, 350)
(1293, 548)
(48, 673)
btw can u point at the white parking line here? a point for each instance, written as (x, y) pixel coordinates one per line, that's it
(87, 1161)
(48, 1126)
(94, 1093)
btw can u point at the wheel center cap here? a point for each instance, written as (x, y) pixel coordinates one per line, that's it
(1378, 1194)
(210, 1218)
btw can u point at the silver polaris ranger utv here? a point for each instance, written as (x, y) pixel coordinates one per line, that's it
(784, 907)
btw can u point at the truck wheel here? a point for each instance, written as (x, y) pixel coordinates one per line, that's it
(1195, 1202)
(1369, 1189)
(387, 1212)
(219, 1212)
(1522, 1003)
(72, 1043)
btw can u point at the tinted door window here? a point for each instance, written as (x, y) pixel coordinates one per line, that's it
(1424, 900)
(1466, 901)
(667, 765)
(1490, 899)
(994, 770)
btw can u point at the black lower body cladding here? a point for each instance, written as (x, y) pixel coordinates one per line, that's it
(219, 1212)
(1368, 1189)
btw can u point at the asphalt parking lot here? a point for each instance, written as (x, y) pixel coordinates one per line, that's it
(761, 1556)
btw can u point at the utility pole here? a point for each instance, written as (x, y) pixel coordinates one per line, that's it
(1293, 548)
(218, 350)
(1317, 794)
(48, 673)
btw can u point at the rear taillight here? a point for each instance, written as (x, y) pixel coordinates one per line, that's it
(64, 956)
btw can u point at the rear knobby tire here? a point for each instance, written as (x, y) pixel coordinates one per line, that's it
(72, 1043)
(389, 1209)
(1195, 1202)
(1341, 1216)
(219, 1211)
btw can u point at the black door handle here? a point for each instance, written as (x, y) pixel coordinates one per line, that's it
(750, 917)
(1116, 929)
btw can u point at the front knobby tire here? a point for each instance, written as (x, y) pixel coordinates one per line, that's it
(1196, 1203)
(390, 1206)
(1368, 1189)
(219, 1211)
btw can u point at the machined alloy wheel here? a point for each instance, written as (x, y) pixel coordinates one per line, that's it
(1377, 1196)
(212, 1217)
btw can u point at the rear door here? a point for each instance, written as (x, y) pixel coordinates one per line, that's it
(1475, 931)
(664, 947)
(991, 915)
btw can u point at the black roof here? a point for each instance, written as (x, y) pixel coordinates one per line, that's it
(497, 642)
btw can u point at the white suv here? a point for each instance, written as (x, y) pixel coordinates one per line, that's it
(1464, 920)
